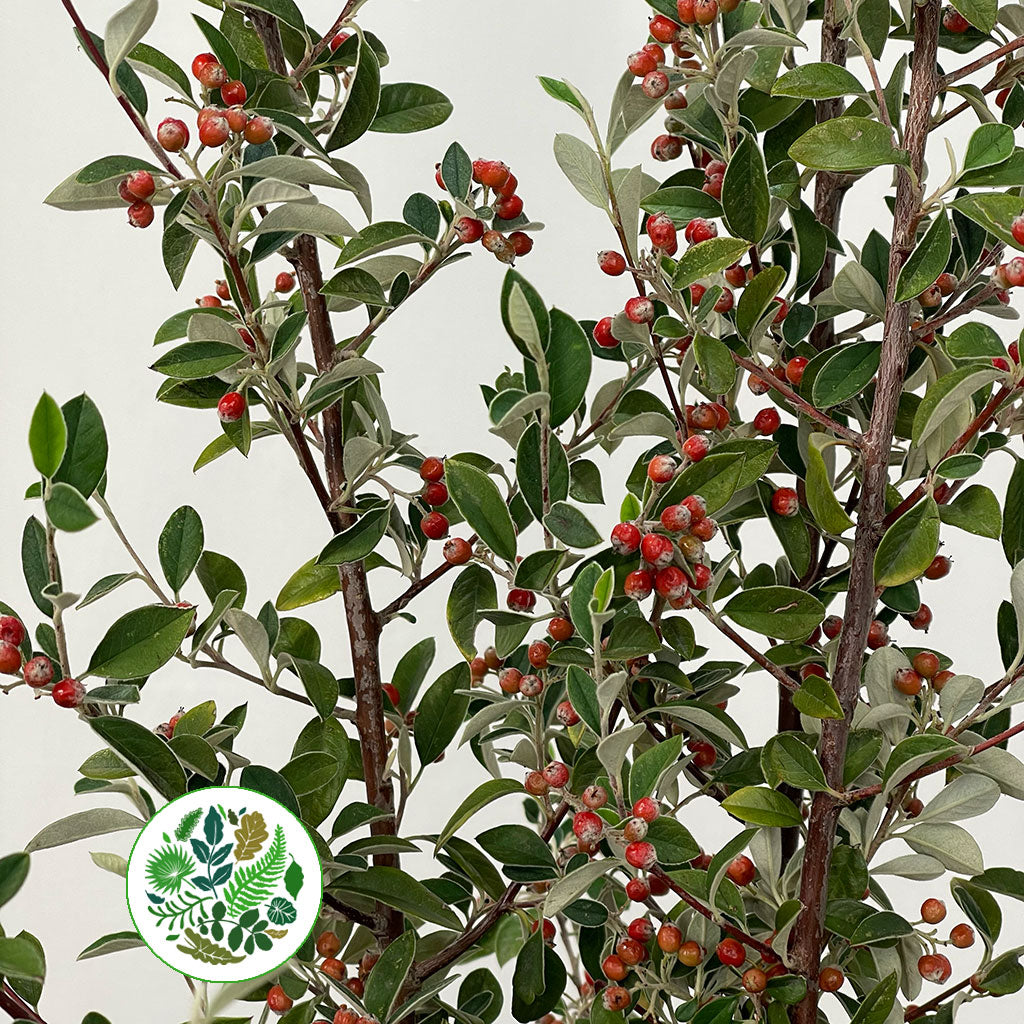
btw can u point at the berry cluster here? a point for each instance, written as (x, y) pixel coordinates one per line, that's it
(328, 945)
(38, 671)
(137, 189)
(506, 205)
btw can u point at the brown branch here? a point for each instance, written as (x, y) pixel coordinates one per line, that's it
(350, 913)
(768, 955)
(801, 404)
(13, 1004)
(752, 652)
(417, 587)
(913, 1012)
(318, 48)
(809, 934)
(439, 961)
(977, 65)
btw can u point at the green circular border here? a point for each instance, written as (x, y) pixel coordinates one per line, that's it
(220, 981)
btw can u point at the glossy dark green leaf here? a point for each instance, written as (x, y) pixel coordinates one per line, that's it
(927, 261)
(362, 102)
(180, 545)
(846, 373)
(441, 712)
(140, 642)
(909, 545)
(478, 499)
(846, 144)
(149, 755)
(410, 107)
(85, 454)
(745, 199)
(781, 612)
(358, 540)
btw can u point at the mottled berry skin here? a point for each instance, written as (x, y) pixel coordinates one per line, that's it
(934, 967)
(611, 263)
(667, 147)
(754, 980)
(831, 979)
(661, 469)
(878, 634)
(696, 447)
(638, 584)
(520, 600)
(641, 855)
(278, 1000)
(625, 538)
(521, 242)
(786, 502)
(140, 214)
(68, 693)
(10, 658)
(284, 282)
(212, 75)
(700, 230)
(657, 550)
(907, 682)
(172, 134)
(690, 954)
(646, 808)
(953, 21)
(492, 173)
(933, 911)
(231, 407)
(594, 797)
(258, 130)
(200, 61)
(214, 131)
(435, 494)
(140, 184)
(328, 944)
(639, 309)
(832, 626)
(962, 936)
(560, 629)
(566, 714)
(508, 207)
(38, 671)
(587, 826)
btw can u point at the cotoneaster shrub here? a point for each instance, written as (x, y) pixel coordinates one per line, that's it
(778, 364)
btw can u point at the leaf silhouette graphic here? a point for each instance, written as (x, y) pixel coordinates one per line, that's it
(253, 884)
(213, 827)
(187, 825)
(293, 879)
(206, 951)
(277, 933)
(251, 835)
(168, 867)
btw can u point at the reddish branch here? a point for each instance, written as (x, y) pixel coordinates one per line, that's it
(12, 1003)
(439, 961)
(913, 1012)
(809, 933)
(417, 587)
(981, 62)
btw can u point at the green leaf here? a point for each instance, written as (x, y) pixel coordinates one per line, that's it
(34, 563)
(362, 101)
(975, 510)
(473, 590)
(388, 975)
(716, 366)
(909, 545)
(320, 685)
(582, 166)
(537, 570)
(68, 510)
(569, 525)
(1013, 521)
(878, 1003)
(483, 795)
(529, 472)
(582, 693)
(560, 91)
(785, 758)
(410, 107)
(516, 845)
(522, 332)
(284, 10)
(140, 642)
(974, 340)
(994, 211)
(980, 13)
(946, 395)
(745, 198)
(706, 258)
(569, 364)
(85, 454)
(397, 889)
(47, 436)
(307, 585)
(781, 612)
(846, 144)
(150, 61)
(358, 540)
(672, 841)
(760, 805)
(356, 285)
(757, 298)
(20, 957)
(149, 755)
(817, 699)
(180, 545)
(989, 144)
(441, 713)
(648, 768)
(124, 29)
(197, 359)
(817, 82)
(479, 501)
(715, 478)
(96, 821)
(927, 261)
(682, 203)
(457, 171)
(13, 871)
(821, 499)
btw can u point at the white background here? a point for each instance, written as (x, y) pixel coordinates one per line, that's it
(84, 297)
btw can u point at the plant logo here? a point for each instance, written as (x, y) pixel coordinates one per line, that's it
(224, 884)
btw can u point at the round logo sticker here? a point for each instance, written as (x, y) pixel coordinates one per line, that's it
(224, 884)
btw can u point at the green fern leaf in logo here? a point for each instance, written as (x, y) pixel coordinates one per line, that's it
(168, 868)
(254, 883)
(187, 825)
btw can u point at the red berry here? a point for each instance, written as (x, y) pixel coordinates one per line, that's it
(699, 230)
(531, 686)
(831, 979)
(690, 954)
(509, 188)
(258, 130)
(200, 61)
(278, 1000)
(214, 131)
(665, 30)
(641, 855)
(640, 309)
(140, 184)
(941, 679)
(10, 658)
(209, 302)
(954, 21)
(611, 262)
(172, 134)
(560, 629)
(962, 936)
(713, 186)
(630, 951)
(655, 84)
(701, 577)
(676, 518)
(284, 282)
(704, 754)
(785, 502)
(12, 630)
(731, 952)
(625, 538)
(696, 447)
(434, 525)
(556, 774)
(661, 469)
(38, 671)
(521, 242)
(431, 469)
(638, 890)
(933, 911)
(767, 421)
(661, 231)
(566, 713)
(587, 826)
(1017, 229)
(922, 618)
(233, 93)
(832, 626)
(741, 870)
(684, 8)
(538, 653)
(795, 369)
(212, 75)
(755, 980)
(435, 494)
(696, 506)
(68, 693)
(237, 119)
(509, 679)
(907, 682)
(1001, 97)
(934, 967)
(656, 549)
(705, 11)
(520, 600)
(667, 147)
(939, 567)
(231, 407)
(615, 998)
(946, 283)
(641, 63)
(224, 293)
(508, 207)
(336, 43)
(638, 584)
(646, 808)
(640, 930)
(671, 583)
(492, 173)
(603, 333)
